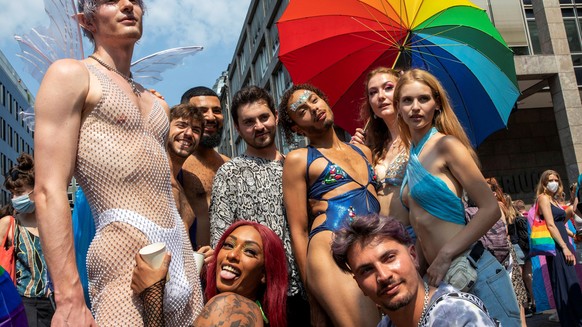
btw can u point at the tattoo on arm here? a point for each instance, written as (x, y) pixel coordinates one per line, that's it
(230, 310)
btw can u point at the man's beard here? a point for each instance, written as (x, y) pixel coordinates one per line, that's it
(211, 141)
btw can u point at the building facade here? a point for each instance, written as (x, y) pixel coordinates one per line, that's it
(15, 136)
(544, 130)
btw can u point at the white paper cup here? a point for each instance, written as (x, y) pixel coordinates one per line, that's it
(199, 258)
(153, 254)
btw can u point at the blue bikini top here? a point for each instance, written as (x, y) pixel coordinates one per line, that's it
(429, 191)
(333, 175)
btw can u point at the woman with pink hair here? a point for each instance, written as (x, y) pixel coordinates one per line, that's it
(246, 276)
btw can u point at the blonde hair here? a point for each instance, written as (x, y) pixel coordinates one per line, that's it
(544, 177)
(444, 120)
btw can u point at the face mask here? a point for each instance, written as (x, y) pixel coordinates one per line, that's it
(552, 186)
(23, 204)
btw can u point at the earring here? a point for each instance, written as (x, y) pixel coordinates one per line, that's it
(375, 117)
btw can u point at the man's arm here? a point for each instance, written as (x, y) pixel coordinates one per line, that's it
(295, 200)
(223, 202)
(59, 104)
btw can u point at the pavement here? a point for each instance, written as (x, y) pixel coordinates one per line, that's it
(541, 320)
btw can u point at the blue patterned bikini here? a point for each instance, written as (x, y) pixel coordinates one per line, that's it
(339, 208)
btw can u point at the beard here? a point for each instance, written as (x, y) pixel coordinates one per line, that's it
(211, 141)
(393, 306)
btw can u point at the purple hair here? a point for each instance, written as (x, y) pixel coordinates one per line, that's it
(363, 229)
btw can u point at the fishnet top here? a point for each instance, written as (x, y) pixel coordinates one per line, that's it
(123, 167)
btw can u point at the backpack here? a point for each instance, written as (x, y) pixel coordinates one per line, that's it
(522, 230)
(495, 240)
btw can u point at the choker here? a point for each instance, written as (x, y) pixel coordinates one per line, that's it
(129, 78)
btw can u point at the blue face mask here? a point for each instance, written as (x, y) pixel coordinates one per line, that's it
(23, 204)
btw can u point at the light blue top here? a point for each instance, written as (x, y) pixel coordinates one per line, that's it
(429, 191)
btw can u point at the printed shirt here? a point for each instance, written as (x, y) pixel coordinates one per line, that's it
(452, 309)
(251, 188)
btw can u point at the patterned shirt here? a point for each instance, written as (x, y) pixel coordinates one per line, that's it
(450, 308)
(251, 188)
(31, 269)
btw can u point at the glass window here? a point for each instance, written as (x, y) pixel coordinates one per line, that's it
(578, 72)
(573, 35)
(567, 12)
(535, 39)
(577, 60)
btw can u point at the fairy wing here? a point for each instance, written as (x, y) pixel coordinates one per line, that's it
(61, 39)
(148, 70)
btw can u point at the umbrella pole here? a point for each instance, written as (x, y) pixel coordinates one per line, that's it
(402, 52)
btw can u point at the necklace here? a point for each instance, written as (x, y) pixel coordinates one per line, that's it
(129, 78)
(262, 313)
(426, 291)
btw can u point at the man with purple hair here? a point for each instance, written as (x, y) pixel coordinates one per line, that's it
(381, 257)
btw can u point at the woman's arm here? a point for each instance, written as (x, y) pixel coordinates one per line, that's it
(544, 208)
(149, 284)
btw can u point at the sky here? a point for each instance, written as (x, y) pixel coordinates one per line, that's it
(213, 24)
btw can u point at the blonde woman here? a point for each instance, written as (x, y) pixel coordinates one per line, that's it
(565, 284)
(441, 165)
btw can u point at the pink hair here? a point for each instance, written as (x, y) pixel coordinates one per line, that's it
(274, 297)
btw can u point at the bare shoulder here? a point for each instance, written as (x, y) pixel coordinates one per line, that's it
(225, 158)
(4, 223)
(67, 69)
(451, 147)
(364, 149)
(230, 309)
(296, 156)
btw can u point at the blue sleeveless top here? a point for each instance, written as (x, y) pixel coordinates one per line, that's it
(358, 201)
(429, 191)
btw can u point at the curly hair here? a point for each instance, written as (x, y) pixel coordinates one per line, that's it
(285, 120)
(21, 174)
(377, 133)
(274, 296)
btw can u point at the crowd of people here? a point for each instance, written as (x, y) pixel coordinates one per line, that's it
(376, 231)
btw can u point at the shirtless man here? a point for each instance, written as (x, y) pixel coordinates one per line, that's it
(93, 121)
(186, 126)
(200, 168)
(338, 182)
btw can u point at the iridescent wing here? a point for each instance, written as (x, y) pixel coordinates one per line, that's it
(61, 39)
(148, 70)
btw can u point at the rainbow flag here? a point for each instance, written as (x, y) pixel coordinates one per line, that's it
(542, 288)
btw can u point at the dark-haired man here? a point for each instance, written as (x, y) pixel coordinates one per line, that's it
(186, 127)
(379, 254)
(200, 168)
(250, 185)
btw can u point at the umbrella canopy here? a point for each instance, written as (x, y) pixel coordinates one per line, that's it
(333, 45)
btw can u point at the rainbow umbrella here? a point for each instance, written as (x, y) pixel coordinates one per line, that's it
(334, 44)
